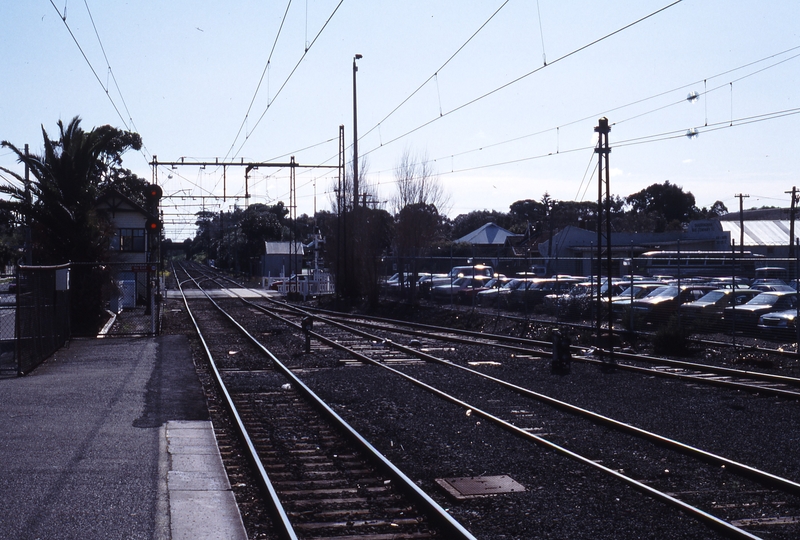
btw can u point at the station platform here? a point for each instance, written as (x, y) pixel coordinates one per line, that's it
(110, 438)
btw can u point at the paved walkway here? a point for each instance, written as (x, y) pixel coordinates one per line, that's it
(109, 439)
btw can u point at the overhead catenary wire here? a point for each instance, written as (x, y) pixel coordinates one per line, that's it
(516, 80)
(288, 78)
(86, 59)
(261, 79)
(429, 79)
(132, 126)
(608, 112)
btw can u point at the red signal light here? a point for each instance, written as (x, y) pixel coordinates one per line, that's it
(153, 192)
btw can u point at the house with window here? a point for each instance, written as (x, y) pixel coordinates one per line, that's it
(133, 257)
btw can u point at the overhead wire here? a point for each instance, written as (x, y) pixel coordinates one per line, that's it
(96, 76)
(637, 102)
(289, 77)
(258, 86)
(520, 78)
(108, 64)
(285, 82)
(429, 79)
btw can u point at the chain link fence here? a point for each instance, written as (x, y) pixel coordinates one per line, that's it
(709, 294)
(43, 307)
(42, 314)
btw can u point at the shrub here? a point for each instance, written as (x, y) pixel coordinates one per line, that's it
(671, 338)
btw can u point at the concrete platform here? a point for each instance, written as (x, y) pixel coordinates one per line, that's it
(110, 438)
(224, 293)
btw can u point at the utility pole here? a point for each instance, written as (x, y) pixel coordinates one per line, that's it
(341, 242)
(28, 233)
(355, 134)
(742, 197)
(603, 150)
(792, 210)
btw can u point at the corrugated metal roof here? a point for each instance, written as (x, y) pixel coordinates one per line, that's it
(761, 232)
(489, 234)
(283, 248)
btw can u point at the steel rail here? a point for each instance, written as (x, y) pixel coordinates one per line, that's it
(709, 457)
(650, 335)
(503, 340)
(705, 517)
(698, 378)
(284, 524)
(452, 527)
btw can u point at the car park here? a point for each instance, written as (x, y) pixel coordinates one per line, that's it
(491, 294)
(746, 316)
(534, 291)
(434, 280)
(499, 296)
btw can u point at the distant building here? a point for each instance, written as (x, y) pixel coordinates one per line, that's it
(490, 234)
(281, 259)
(573, 249)
(766, 231)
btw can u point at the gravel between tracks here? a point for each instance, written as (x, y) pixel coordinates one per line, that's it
(563, 499)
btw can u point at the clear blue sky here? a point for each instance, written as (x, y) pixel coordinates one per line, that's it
(183, 74)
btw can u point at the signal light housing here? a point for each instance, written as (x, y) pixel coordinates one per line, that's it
(153, 225)
(153, 192)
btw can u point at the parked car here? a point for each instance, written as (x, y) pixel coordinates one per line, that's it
(489, 296)
(708, 310)
(621, 302)
(765, 287)
(746, 316)
(779, 324)
(294, 278)
(434, 280)
(535, 290)
(460, 290)
(659, 305)
(499, 296)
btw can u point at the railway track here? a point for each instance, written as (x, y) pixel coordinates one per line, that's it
(699, 491)
(323, 479)
(692, 372)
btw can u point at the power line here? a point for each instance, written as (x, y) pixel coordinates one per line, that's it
(258, 87)
(522, 77)
(64, 20)
(288, 78)
(429, 79)
(636, 102)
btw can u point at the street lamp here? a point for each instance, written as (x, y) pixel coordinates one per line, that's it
(355, 134)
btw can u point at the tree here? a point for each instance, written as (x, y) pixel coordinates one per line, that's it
(259, 224)
(466, 223)
(667, 202)
(417, 184)
(59, 201)
(417, 206)
(417, 226)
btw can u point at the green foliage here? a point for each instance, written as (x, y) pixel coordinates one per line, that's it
(59, 202)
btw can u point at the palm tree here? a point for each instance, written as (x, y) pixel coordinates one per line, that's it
(59, 201)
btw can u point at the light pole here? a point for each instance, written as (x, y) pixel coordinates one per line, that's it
(355, 134)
